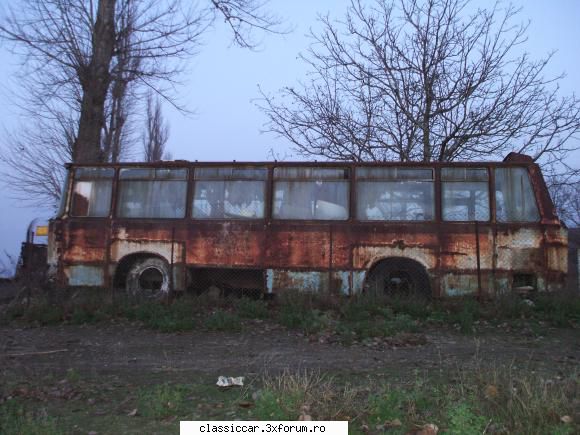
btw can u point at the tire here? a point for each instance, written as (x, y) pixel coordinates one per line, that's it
(398, 277)
(149, 279)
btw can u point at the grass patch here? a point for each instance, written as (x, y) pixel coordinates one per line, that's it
(16, 419)
(252, 309)
(474, 401)
(294, 394)
(162, 401)
(560, 309)
(222, 320)
(162, 317)
(309, 321)
(356, 318)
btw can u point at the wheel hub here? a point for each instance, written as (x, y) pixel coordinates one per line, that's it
(151, 280)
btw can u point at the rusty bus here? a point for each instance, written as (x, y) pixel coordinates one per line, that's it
(440, 229)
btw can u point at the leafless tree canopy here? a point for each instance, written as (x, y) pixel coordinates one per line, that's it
(90, 63)
(156, 132)
(565, 192)
(431, 80)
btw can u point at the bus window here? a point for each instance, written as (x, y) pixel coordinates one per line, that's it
(311, 193)
(465, 194)
(152, 193)
(395, 194)
(63, 196)
(91, 192)
(514, 196)
(229, 193)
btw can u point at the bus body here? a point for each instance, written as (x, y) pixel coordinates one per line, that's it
(440, 229)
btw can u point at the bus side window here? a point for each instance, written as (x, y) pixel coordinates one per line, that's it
(229, 193)
(515, 200)
(395, 194)
(91, 192)
(465, 193)
(311, 193)
(152, 193)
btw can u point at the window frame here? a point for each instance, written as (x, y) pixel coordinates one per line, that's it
(234, 177)
(490, 195)
(347, 178)
(533, 191)
(369, 178)
(120, 180)
(69, 190)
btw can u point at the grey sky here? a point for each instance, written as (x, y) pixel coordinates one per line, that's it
(222, 81)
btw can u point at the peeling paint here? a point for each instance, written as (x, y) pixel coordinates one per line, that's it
(358, 279)
(316, 255)
(89, 276)
(300, 281)
(459, 285)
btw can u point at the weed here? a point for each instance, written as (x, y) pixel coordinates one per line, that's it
(510, 306)
(387, 406)
(73, 376)
(221, 320)
(15, 419)
(271, 405)
(560, 309)
(164, 318)
(376, 326)
(308, 321)
(45, 314)
(87, 314)
(252, 309)
(290, 394)
(162, 401)
(415, 307)
(464, 421)
(465, 317)
(525, 403)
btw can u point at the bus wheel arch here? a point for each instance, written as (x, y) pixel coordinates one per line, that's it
(398, 276)
(144, 274)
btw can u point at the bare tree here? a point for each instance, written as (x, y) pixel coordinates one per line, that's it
(89, 62)
(565, 191)
(89, 46)
(424, 80)
(121, 99)
(7, 265)
(156, 132)
(34, 158)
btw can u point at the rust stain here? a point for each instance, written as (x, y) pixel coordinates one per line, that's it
(311, 251)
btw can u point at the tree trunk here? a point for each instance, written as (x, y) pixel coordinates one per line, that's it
(95, 83)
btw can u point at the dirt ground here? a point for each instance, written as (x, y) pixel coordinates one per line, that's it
(131, 352)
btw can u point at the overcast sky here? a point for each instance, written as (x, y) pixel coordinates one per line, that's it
(222, 84)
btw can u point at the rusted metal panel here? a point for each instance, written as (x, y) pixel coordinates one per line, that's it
(366, 256)
(310, 281)
(298, 246)
(459, 250)
(84, 242)
(122, 248)
(226, 243)
(326, 255)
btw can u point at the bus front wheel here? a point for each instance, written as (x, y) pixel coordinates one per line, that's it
(148, 278)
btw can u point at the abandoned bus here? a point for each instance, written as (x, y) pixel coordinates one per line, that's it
(438, 229)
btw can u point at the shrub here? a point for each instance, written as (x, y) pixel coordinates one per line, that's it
(252, 309)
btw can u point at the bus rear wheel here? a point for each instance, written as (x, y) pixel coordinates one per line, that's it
(398, 277)
(148, 278)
